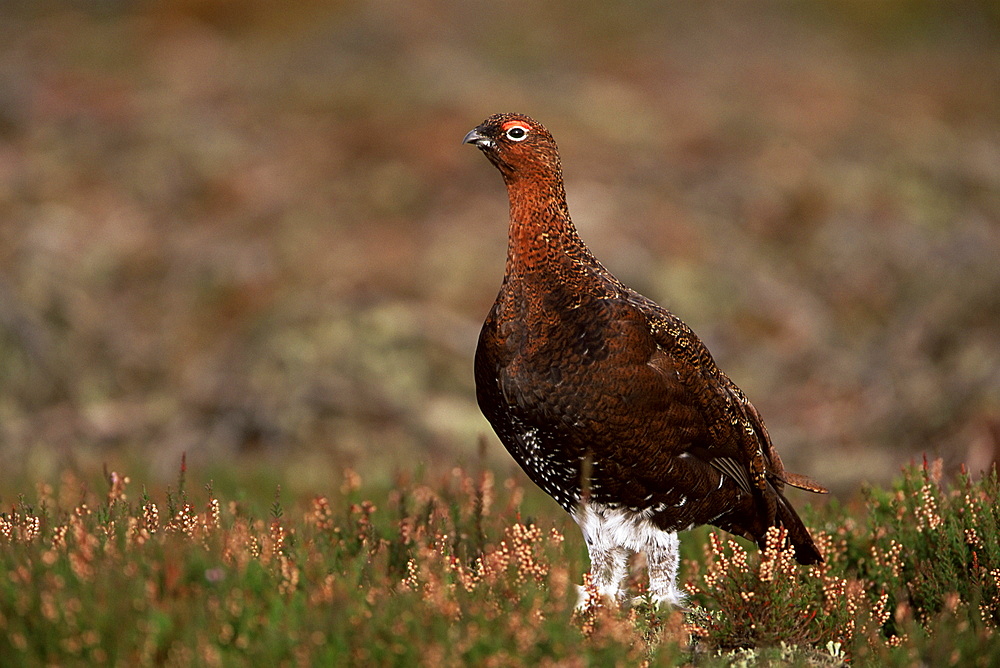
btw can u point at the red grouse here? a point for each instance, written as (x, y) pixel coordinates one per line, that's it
(608, 401)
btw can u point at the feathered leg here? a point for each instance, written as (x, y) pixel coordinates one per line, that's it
(608, 555)
(608, 570)
(662, 562)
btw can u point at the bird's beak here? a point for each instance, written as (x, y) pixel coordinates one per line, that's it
(477, 138)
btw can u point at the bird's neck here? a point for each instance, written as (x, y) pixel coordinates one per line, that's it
(541, 231)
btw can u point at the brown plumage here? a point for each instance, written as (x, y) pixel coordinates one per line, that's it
(608, 401)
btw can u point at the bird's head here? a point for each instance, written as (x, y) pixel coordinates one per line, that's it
(518, 146)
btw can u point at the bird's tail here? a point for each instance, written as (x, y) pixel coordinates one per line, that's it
(806, 551)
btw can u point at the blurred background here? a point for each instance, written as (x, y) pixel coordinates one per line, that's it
(248, 230)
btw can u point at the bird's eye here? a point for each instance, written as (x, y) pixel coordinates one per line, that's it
(517, 133)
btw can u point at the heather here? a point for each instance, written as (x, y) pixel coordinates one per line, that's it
(451, 571)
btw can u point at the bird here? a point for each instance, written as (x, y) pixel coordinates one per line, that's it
(609, 402)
